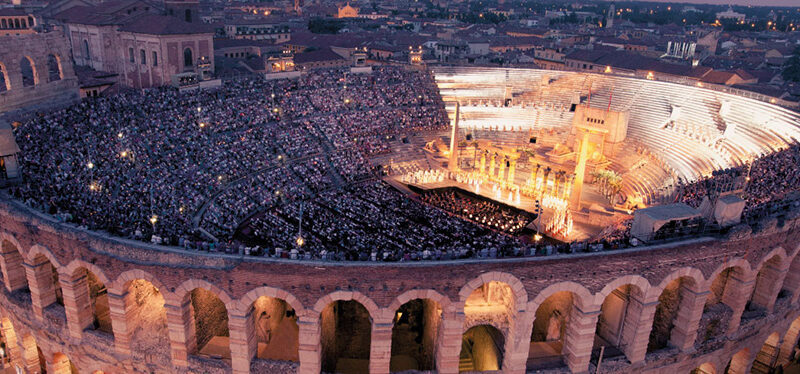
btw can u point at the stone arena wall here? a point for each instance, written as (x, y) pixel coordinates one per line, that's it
(760, 296)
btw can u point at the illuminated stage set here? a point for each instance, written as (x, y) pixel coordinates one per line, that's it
(591, 148)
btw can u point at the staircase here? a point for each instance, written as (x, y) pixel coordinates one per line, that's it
(465, 362)
(764, 360)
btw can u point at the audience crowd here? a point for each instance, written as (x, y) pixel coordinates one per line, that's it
(281, 169)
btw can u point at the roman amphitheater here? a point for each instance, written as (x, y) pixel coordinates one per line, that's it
(83, 294)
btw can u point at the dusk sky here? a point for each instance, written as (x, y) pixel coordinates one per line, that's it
(740, 2)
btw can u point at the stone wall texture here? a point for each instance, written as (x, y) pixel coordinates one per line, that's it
(736, 321)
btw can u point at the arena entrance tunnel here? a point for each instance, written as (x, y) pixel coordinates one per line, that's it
(346, 334)
(414, 336)
(482, 349)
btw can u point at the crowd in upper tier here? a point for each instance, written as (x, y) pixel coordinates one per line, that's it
(251, 166)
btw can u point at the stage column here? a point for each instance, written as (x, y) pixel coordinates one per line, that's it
(511, 171)
(491, 166)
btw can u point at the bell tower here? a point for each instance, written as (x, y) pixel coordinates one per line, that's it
(186, 10)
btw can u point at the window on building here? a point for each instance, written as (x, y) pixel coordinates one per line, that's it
(4, 83)
(143, 57)
(28, 71)
(86, 53)
(188, 15)
(53, 68)
(130, 55)
(187, 57)
(155, 58)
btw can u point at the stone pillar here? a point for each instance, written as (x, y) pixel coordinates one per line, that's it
(519, 343)
(502, 172)
(310, 349)
(40, 281)
(491, 166)
(242, 341)
(511, 171)
(690, 311)
(636, 327)
(380, 349)
(77, 303)
(449, 343)
(579, 338)
(483, 162)
(737, 293)
(741, 364)
(768, 284)
(13, 270)
(182, 341)
(119, 307)
(60, 365)
(791, 282)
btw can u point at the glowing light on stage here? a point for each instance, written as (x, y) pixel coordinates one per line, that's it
(90, 165)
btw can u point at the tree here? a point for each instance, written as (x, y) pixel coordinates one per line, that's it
(792, 71)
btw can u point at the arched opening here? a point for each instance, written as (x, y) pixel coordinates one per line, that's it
(718, 311)
(12, 266)
(790, 341)
(210, 318)
(63, 365)
(739, 362)
(482, 349)
(32, 357)
(768, 284)
(346, 334)
(86, 52)
(188, 61)
(672, 299)
(414, 333)
(9, 350)
(53, 68)
(549, 330)
(147, 322)
(492, 301)
(4, 82)
(28, 70)
(706, 368)
(615, 319)
(276, 329)
(767, 358)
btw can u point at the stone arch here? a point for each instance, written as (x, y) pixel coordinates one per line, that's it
(626, 304)
(790, 341)
(678, 296)
(9, 340)
(271, 324)
(769, 280)
(63, 365)
(728, 289)
(54, 69)
(31, 355)
(5, 82)
(86, 294)
(205, 312)
(12, 263)
(520, 295)
(739, 363)
(362, 299)
(553, 310)
(482, 349)
(346, 310)
(416, 327)
(28, 70)
(139, 317)
(444, 302)
(705, 368)
(120, 284)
